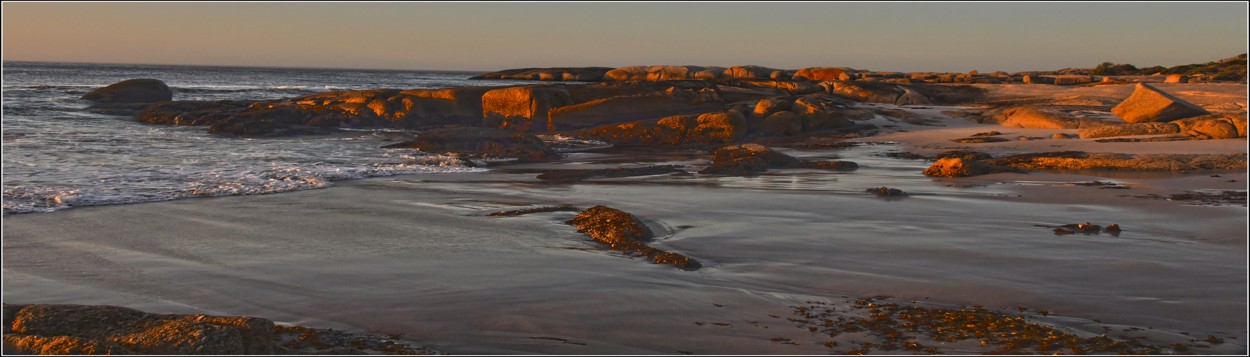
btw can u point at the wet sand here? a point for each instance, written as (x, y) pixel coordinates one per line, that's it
(418, 255)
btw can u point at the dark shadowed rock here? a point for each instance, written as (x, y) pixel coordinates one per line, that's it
(747, 159)
(783, 123)
(657, 132)
(839, 165)
(191, 112)
(887, 192)
(622, 231)
(1148, 104)
(484, 141)
(131, 91)
(67, 329)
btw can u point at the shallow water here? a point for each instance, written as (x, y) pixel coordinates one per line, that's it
(416, 255)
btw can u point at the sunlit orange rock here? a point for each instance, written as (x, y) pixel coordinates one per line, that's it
(956, 167)
(1213, 126)
(822, 74)
(1148, 104)
(749, 72)
(523, 108)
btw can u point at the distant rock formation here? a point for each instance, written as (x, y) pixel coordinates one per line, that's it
(131, 91)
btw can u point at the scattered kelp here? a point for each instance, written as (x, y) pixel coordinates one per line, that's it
(915, 329)
(305, 340)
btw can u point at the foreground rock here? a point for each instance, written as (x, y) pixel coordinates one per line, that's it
(487, 142)
(624, 232)
(131, 91)
(81, 329)
(1148, 104)
(958, 167)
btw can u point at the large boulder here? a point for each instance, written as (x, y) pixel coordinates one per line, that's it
(631, 73)
(1148, 104)
(767, 106)
(81, 329)
(722, 127)
(488, 142)
(1214, 126)
(131, 91)
(783, 123)
(523, 108)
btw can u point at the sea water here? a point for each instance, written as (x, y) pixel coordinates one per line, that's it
(58, 155)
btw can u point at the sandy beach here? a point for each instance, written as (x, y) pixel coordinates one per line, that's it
(417, 255)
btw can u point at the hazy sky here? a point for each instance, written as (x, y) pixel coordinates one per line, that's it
(490, 36)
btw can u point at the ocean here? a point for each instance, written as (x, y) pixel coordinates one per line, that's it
(58, 155)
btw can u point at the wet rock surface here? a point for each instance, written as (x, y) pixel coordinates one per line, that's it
(65, 329)
(622, 231)
(485, 141)
(578, 175)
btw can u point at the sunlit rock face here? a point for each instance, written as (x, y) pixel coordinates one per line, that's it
(1148, 104)
(522, 108)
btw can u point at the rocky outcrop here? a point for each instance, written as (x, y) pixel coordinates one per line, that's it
(957, 167)
(1077, 160)
(1176, 78)
(1129, 130)
(191, 112)
(1214, 126)
(1148, 104)
(622, 231)
(82, 329)
(325, 112)
(489, 142)
(874, 92)
(613, 103)
(823, 74)
(131, 91)
(523, 108)
(1037, 117)
(753, 72)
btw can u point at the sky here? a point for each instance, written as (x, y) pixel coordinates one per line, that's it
(940, 37)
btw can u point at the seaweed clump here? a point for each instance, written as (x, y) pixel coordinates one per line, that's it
(622, 231)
